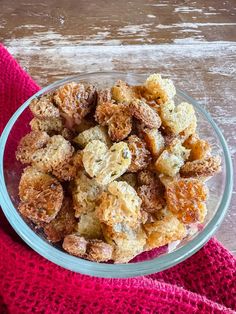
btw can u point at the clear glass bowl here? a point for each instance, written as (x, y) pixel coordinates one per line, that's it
(220, 187)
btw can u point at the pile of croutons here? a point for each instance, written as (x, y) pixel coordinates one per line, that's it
(113, 173)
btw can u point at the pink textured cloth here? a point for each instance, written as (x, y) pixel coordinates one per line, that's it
(204, 283)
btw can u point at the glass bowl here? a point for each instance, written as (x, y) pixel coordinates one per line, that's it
(220, 187)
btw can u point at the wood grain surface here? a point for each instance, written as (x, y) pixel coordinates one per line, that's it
(193, 42)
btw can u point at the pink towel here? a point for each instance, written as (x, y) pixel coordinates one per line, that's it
(204, 283)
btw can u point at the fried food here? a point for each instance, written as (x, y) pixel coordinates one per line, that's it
(29, 144)
(199, 148)
(140, 156)
(105, 164)
(123, 93)
(147, 115)
(89, 226)
(154, 140)
(206, 167)
(96, 133)
(41, 195)
(185, 198)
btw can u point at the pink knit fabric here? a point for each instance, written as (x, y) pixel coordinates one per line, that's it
(204, 283)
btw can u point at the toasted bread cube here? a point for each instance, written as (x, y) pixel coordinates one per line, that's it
(89, 226)
(75, 245)
(57, 152)
(41, 195)
(206, 167)
(199, 148)
(177, 118)
(96, 133)
(127, 242)
(123, 93)
(155, 141)
(98, 251)
(43, 108)
(146, 114)
(48, 125)
(172, 159)
(63, 224)
(140, 156)
(166, 229)
(159, 88)
(120, 204)
(106, 165)
(30, 143)
(185, 198)
(85, 192)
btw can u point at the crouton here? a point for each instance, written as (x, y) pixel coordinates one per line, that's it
(98, 251)
(75, 245)
(103, 96)
(177, 118)
(57, 151)
(185, 198)
(147, 115)
(117, 117)
(51, 126)
(123, 93)
(159, 88)
(206, 167)
(89, 226)
(43, 108)
(30, 143)
(199, 148)
(41, 195)
(154, 140)
(103, 164)
(63, 224)
(120, 204)
(75, 101)
(127, 242)
(140, 156)
(93, 250)
(172, 159)
(146, 177)
(96, 133)
(85, 192)
(166, 229)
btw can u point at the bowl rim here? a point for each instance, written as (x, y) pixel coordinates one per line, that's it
(101, 269)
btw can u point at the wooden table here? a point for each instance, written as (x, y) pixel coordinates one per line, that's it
(193, 42)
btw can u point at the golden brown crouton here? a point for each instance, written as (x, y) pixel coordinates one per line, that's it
(75, 101)
(57, 152)
(103, 164)
(199, 148)
(63, 224)
(85, 192)
(51, 126)
(159, 88)
(152, 196)
(104, 96)
(154, 140)
(172, 159)
(66, 171)
(75, 245)
(43, 108)
(117, 117)
(93, 250)
(146, 177)
(123, 93)
(98, 251)
(147, 115)
(120, 204)
(185, 198)
(140, 156)
(89, 226)
(206, 167)
(177, 118)
(95, 133)
(41, 195)
(29, 144)
(127, 242)
(166, 229)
